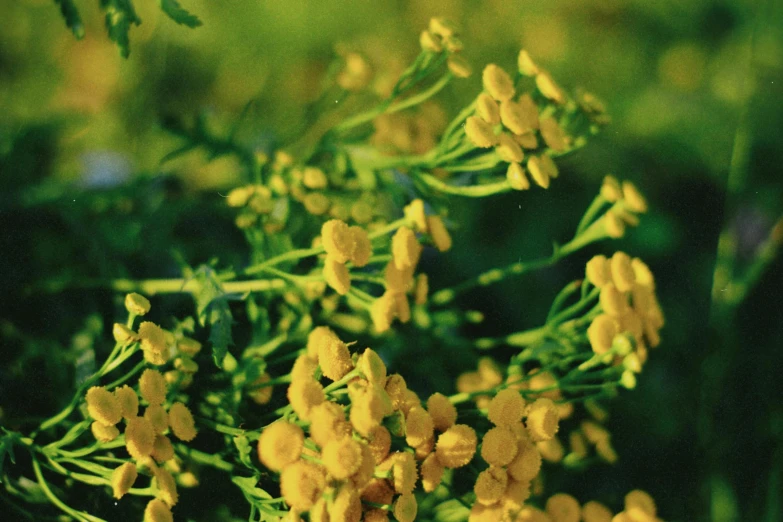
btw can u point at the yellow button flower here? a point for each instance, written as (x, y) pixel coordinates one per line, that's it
(342, 457)
(536, 166)
(430, 42)
(643, 274)
(526, 463)
(563, 508)
(122, 334)
(162, 449)
(490, 485)
(554, 136)
(442, 411)
(383, 310)
(366, 470)
(157, 511)
(479, 132)
(497, 82)
(405, 508)
(338, 241)
(301, 484)
(641, 500)
(103, 406)
(346, 505)
(601, 333)
(515, 175)
(154, 343)
(181, 422)
(262, 395)
(372, 367)
(122, 479)
(189, 346)
(614, 224)
(104, 433)
(327, 423)
(405, 248)
(508, 149)
(314, 178)
(610, 189)
(414, 213)
(336, 275)
(419, 427)
(487, 109)
(166, 486)
(498, 447)
(379, 443)
(397, 281)
(506, 408)
(597, 271)
(613, 301)
(157, 416)
(542, 420)
(456, 446)
(280, 444)
(622, 271)
(152, 386)
(317, 337)
(596, 512)
(549, 88)
(139, 437)
(518, 117)
(137, 304)
(459, 66)
(633, 198)
(526, 65)
(334, 358)
(128, 400)
(304, 396)
(440, 236)
(362, 247)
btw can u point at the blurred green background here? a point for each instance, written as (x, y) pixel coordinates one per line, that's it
(694, 89)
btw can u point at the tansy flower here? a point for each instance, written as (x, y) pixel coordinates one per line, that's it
(537, 166)
(614, 224)
(456, 446)
(334, 358)
(459, 66)
(490, 485)
(185, 364)
(317, 337)
(610, 189)
(527, 462)
(139, 437)
(633, 199)
(430, 42)
(420, 289)
(605, 451)
(181, 422)
(641, 500)
(166, 486)
(152, 386)
(342, 457)
(379, 443)
(506, 408)
(398, 281)
(613, 301)
(362, 247)
(403, 468)
(137, 304)
(551, 450)
(157, 511)
(157, 416)
(442, 411)
(419, 427)
(498, 447)
(479, 132)
(563, 508)
(497, 82)
(366, 470)
(346, 505)
(327, 422)
(440, 236)
(301, 484)
(542, 420)
(128, 401)
(515, 175)
(376, 515)
(488, 109)
(526, 65)
(162, 449)
(263, 394)
(554, 136)
(643, 275)
(519, 117)
(405, 248)
(622, 272)
(122, 334)
(596, 512)
(103, 406)
(304, 395)
(189, 346)
(338, 241)
(316, 203)
(396, 387)
(431, 473)
(597, 271)
(547, 86)
(594, 432)
(481, 513)
(382, 310)
(378, 491)
(601, 332)
(314, 178)
(372, 367)
(527, 140)
(153, 343)
(336, 275)
(442, 27)
(362, 212)
(405, 508)
(508, 149)
(122, 479)
(577, 444)
(414, 213)
(103, 433)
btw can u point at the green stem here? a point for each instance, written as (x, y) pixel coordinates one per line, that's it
(78, 515)
(594, 208)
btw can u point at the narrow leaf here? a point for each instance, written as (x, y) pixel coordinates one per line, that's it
(177, 13)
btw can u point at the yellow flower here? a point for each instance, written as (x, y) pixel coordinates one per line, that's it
(403, 471)
(317, 337)
(304, 395)
(263, 394)
(239, 196)
(614, 302)
(526, 463)
(551, 450)
(549, 88)
(456, 446)
(372, 366)
(122, 334)
(152, 386)
(157, 416)
(346, 505)
(137, 304)
(459, 66)
(342, 457)
(490, 485)
(633, 198)
(539, 171)
(139, 437)
(366, 470)
(615, 226)
(189, 346)
(153, 343)
(405, 508)
(157, 511)
(597, 271)
(594, 432)
(420, 289)
(162, 449)
(622, 271)
(103, 433)
(415, 214)
(508, 149)
(338, 241)
(605, 450)
(596, 512)
(362, 247)
(402, 307)
(577, 444)
(327, 423)
(442, 27)
(301, 484)
(542, 420)
(440, 236)
(181, 422)
(642, 273)
(430, 42)
(419, 427)
(506, 408)
(379, 443)
(497, 82)
(442, 411)
(515, 495)
(334, 358)
(601, 332)
(515, 175)
(383, 309)
(103, 406)
(641, 500)
(405, 248)
(280, 444)
(376, 515)
(185, 364)
(336, 275)
(122, 479)
(396, 387)
(314, 178)
(610, 189)
(479, 132)
(362, 212)
(166, 486)
(316, 203)
(488, 109)
(498, 447)
(554, 136)
(563, 508)
(526, 65)
(397, 281)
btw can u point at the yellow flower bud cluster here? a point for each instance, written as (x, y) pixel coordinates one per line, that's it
(627, 202)
(629, 305)
(443, 36)
(256, 203)
(156, 345)
(342, 244)
(487, 377)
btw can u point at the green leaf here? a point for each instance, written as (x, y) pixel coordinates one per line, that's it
(213, 311)
(72, 18)
(178, 14)
(244, 449)
(119, 17)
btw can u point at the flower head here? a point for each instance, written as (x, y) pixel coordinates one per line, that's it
(508, 149)
(304, 395)
(549, 88)
(103, 406)
(280, 444)
(362, 246)
(596, 512)
(414, 213)
(137, 304)
(597, 271)
(479, 132)
(334, 358)
(633, 198)
(614, 302)
(542, 420)
(498, 447)
(527, 462)
(456, 446)
(526, 65)
(641, 500)
(405, 508)
(162, 449)
(442, 411)
(497, 83)
(383, 310)
(157, 511)
(152, 386)
(139, 437)
(405, 248)
(153, 343)
(419, 426)
(342, 457)
(488, 109)
(622, 271)
(327, 423)
(601, 333)
(103, 433)
(301, 484)
(373, 367)
(610, 189)
(166, 486)
(338, 241)
(506, 408)
(515, 175)
(490, 485)
(563, 508)
(181, 422)
(336, 275)
(122, 479)
(440, 236)
(459, 66)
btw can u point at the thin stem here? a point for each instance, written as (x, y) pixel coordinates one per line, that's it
(78, 515)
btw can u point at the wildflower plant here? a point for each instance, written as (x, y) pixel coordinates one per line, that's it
(311, 421)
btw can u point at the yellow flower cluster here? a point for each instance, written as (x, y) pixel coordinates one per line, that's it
(627, 203)
(629, 306)
(342, 244)
(442, 35)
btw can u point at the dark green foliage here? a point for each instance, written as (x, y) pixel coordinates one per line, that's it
(175, 11)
